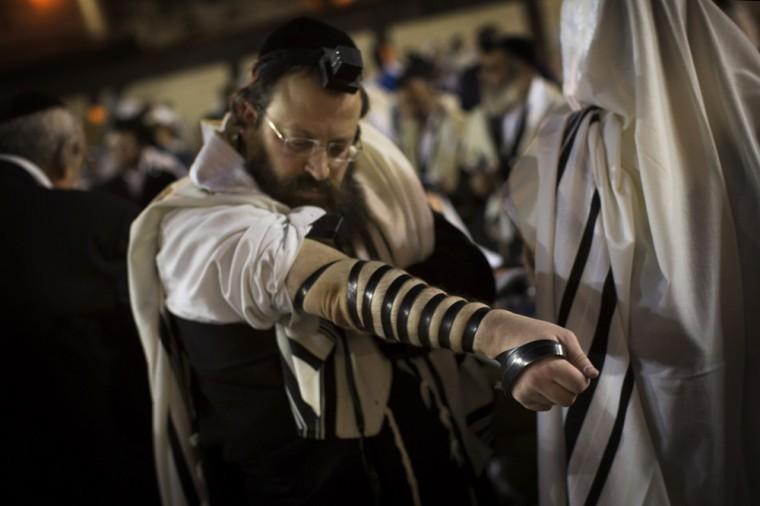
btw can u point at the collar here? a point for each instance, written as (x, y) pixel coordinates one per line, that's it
(218, 166)
(32, 169)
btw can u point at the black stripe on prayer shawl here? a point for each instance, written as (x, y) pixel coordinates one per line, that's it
(300, 351)
(369, 294)
(444, 339)
(479, 414)
(351, 380)
(568, 296)
(329, 382)
(306, 286)
(330, 397)
(388, 301)
(468, 337)
(309, 417)
(426, 318)
(185, 478)
(454, 426)
(597, 353)
(167, 335)
(612, 444)
(568, 137)
(405, 309)
(352, 293)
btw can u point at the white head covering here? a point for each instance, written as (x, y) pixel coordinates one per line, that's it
(675, 160)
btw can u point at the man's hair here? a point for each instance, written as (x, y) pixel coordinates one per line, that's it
(487, 37)
(38, 136)
(137, 125)
(418, 67)
(524, 49)
(298, 34)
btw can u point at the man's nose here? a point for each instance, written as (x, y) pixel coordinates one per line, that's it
(317, 165)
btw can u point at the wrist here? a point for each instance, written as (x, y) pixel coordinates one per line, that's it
(494, 335)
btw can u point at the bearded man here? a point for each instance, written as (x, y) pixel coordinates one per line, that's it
(312, 368)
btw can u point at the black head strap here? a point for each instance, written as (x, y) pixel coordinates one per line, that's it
(339, 69)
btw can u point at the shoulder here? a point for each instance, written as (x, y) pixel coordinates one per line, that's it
(546, 94)
(95, 201)
(186, 226)
(106, 218)
(381, 156)
(394, 197)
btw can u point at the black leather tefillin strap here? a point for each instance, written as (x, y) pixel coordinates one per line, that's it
(325, 229)
(513, 362)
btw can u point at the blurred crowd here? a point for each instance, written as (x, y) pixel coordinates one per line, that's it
(462, 114)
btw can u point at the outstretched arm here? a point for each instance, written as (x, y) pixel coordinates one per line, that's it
(388, 302)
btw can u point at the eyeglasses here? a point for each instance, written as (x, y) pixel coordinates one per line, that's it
(337, 151)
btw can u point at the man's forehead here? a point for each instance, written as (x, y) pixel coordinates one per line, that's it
(299, 101)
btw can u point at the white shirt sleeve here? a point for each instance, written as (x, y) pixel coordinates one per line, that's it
(228, 264)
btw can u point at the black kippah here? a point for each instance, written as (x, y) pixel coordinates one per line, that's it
(26, 103)
(521, 48)
(417, 66)
(313, 44)
(305, 33)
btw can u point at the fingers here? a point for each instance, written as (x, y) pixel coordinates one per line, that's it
(567, 376)
(548, 382)
(575, 354)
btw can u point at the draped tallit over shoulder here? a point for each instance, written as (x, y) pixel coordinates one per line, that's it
(642, 210)
(400, 232)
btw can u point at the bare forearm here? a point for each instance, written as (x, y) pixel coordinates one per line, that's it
(388, 302)
(376, 298)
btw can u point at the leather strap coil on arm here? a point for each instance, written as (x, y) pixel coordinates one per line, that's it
(513, 362)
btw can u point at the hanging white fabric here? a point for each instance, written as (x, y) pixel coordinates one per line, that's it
(668, 273)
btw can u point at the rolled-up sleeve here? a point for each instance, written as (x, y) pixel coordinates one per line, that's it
(228, 264)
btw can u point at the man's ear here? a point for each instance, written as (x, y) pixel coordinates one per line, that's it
(249, 114)
(69, 160)
(244, 113)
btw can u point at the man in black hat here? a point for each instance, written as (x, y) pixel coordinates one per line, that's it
(517, 94)
(142, 170)
(429, 126)
(314, 370)
(76, 394)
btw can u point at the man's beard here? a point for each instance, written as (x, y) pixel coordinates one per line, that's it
(498, 101)
(345, 200)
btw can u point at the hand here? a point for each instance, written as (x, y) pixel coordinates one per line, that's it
(549, 381)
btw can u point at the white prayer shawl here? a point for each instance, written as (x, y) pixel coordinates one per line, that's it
(396, 204)
(643, 218)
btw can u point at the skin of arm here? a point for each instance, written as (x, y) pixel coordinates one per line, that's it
(320, 283)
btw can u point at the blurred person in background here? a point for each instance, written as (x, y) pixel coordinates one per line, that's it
(430, 126)
(468, 87)
(516, 96)
(321, 372)
(380, 82)
(640, 209)
(76, 380)
(139, 169)
(166, 132)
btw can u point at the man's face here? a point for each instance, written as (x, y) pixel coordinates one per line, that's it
(72, 157)
(124, 149)
(416, 99)
(497, 70)
(301, 108)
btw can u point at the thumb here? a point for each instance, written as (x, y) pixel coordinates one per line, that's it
(576, 356)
